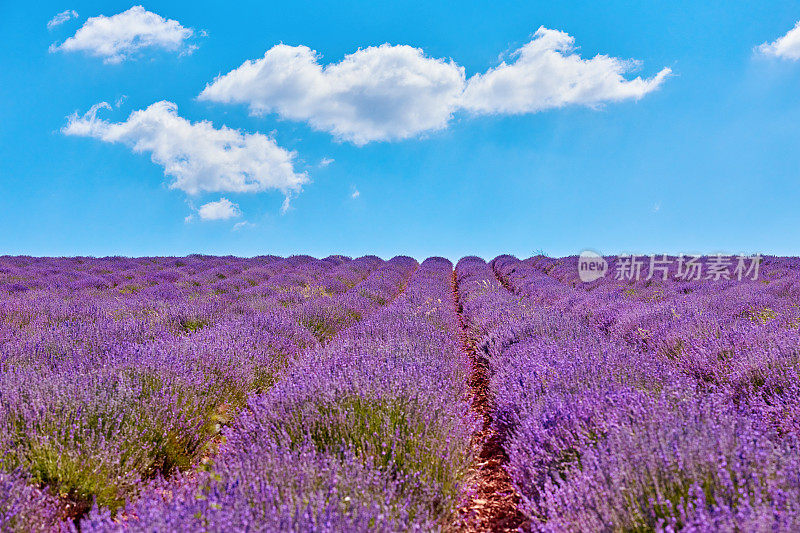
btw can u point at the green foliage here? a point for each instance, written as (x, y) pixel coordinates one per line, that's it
(129, 289)
(762, 315)
(190, 325)
(394, 434)
(327, 323)
(100, 451)
(377, 298)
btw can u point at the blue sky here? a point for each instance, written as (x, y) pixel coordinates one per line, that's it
(703, 160)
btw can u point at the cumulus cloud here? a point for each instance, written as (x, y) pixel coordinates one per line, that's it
(61, 18)
(379, 93)
(547, 73)
(222, 209)
(196, 155)
(787, 46)
(120, 36)
(388, 93)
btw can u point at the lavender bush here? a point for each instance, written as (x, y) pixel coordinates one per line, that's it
(299, 394)
(369, 432)
(610, 429)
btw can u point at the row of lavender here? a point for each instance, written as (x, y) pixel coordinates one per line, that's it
(336, 404)
(369, 432)
(651, 405)
(45, 316)
(736, 337)
(104, 387)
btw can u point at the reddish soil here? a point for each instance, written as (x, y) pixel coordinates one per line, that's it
(490, 501)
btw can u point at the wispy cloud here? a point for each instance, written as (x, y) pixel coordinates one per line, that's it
(389, 93)
(242, 225)
(325, 161)
(61, 18)
(121, 36)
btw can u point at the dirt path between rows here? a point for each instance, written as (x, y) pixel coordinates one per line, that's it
(490, 502)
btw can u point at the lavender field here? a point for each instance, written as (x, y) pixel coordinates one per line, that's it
(299, 394)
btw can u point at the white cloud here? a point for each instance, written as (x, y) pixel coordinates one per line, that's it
(547, 73)
(286, 205)
(376, 94)
(325, 161)
(242, 225)
(118, 37)
(787, 46)
(355, 194)
(198, 156)
(390, 93)
(61, 18)
(222, 209)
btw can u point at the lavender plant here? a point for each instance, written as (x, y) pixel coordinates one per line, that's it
(297, 394)
(369, 432)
